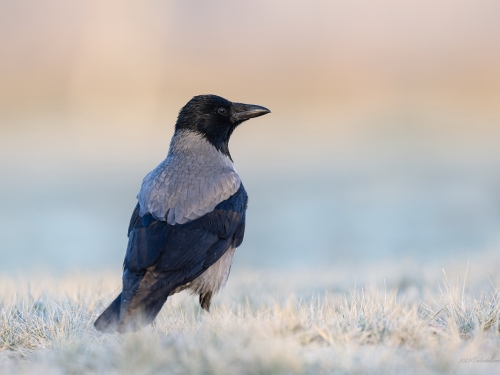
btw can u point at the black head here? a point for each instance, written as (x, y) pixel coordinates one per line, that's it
(216, 118)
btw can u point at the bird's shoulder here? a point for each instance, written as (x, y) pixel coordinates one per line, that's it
(188, 184)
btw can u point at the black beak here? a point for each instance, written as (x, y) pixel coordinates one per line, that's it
(243, 112)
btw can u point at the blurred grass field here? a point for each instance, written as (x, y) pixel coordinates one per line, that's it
(378, 318)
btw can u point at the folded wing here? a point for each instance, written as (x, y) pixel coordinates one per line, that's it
(162, 257)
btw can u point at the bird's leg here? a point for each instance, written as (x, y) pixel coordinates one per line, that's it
(205, 300)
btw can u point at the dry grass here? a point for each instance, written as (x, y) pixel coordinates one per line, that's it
(305, 323)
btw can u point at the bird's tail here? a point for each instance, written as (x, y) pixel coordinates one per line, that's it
(109, 320)
(137, 306)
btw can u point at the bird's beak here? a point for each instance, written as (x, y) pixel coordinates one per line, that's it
(243, 112)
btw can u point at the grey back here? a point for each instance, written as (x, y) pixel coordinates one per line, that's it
(193, 179)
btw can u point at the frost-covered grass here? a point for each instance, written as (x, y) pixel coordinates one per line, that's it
(394, 318)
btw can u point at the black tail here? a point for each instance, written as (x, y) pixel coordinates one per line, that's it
(137, 306)
(109, 320)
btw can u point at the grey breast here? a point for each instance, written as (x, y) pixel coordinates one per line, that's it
(193, 179)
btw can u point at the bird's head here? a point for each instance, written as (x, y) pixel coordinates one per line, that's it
(215, 118)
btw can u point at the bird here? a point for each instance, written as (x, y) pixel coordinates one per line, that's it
(189, 218)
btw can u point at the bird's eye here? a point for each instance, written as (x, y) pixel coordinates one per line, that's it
(222, 111)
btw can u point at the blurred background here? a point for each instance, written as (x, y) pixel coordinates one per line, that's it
(383, 142)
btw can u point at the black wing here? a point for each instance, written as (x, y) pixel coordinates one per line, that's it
(161, 257)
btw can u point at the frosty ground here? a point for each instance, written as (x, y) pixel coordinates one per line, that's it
(381, 318)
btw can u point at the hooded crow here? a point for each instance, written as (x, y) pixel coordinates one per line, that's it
(189, 219)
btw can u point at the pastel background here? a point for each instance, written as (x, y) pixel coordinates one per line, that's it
(383, 142)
